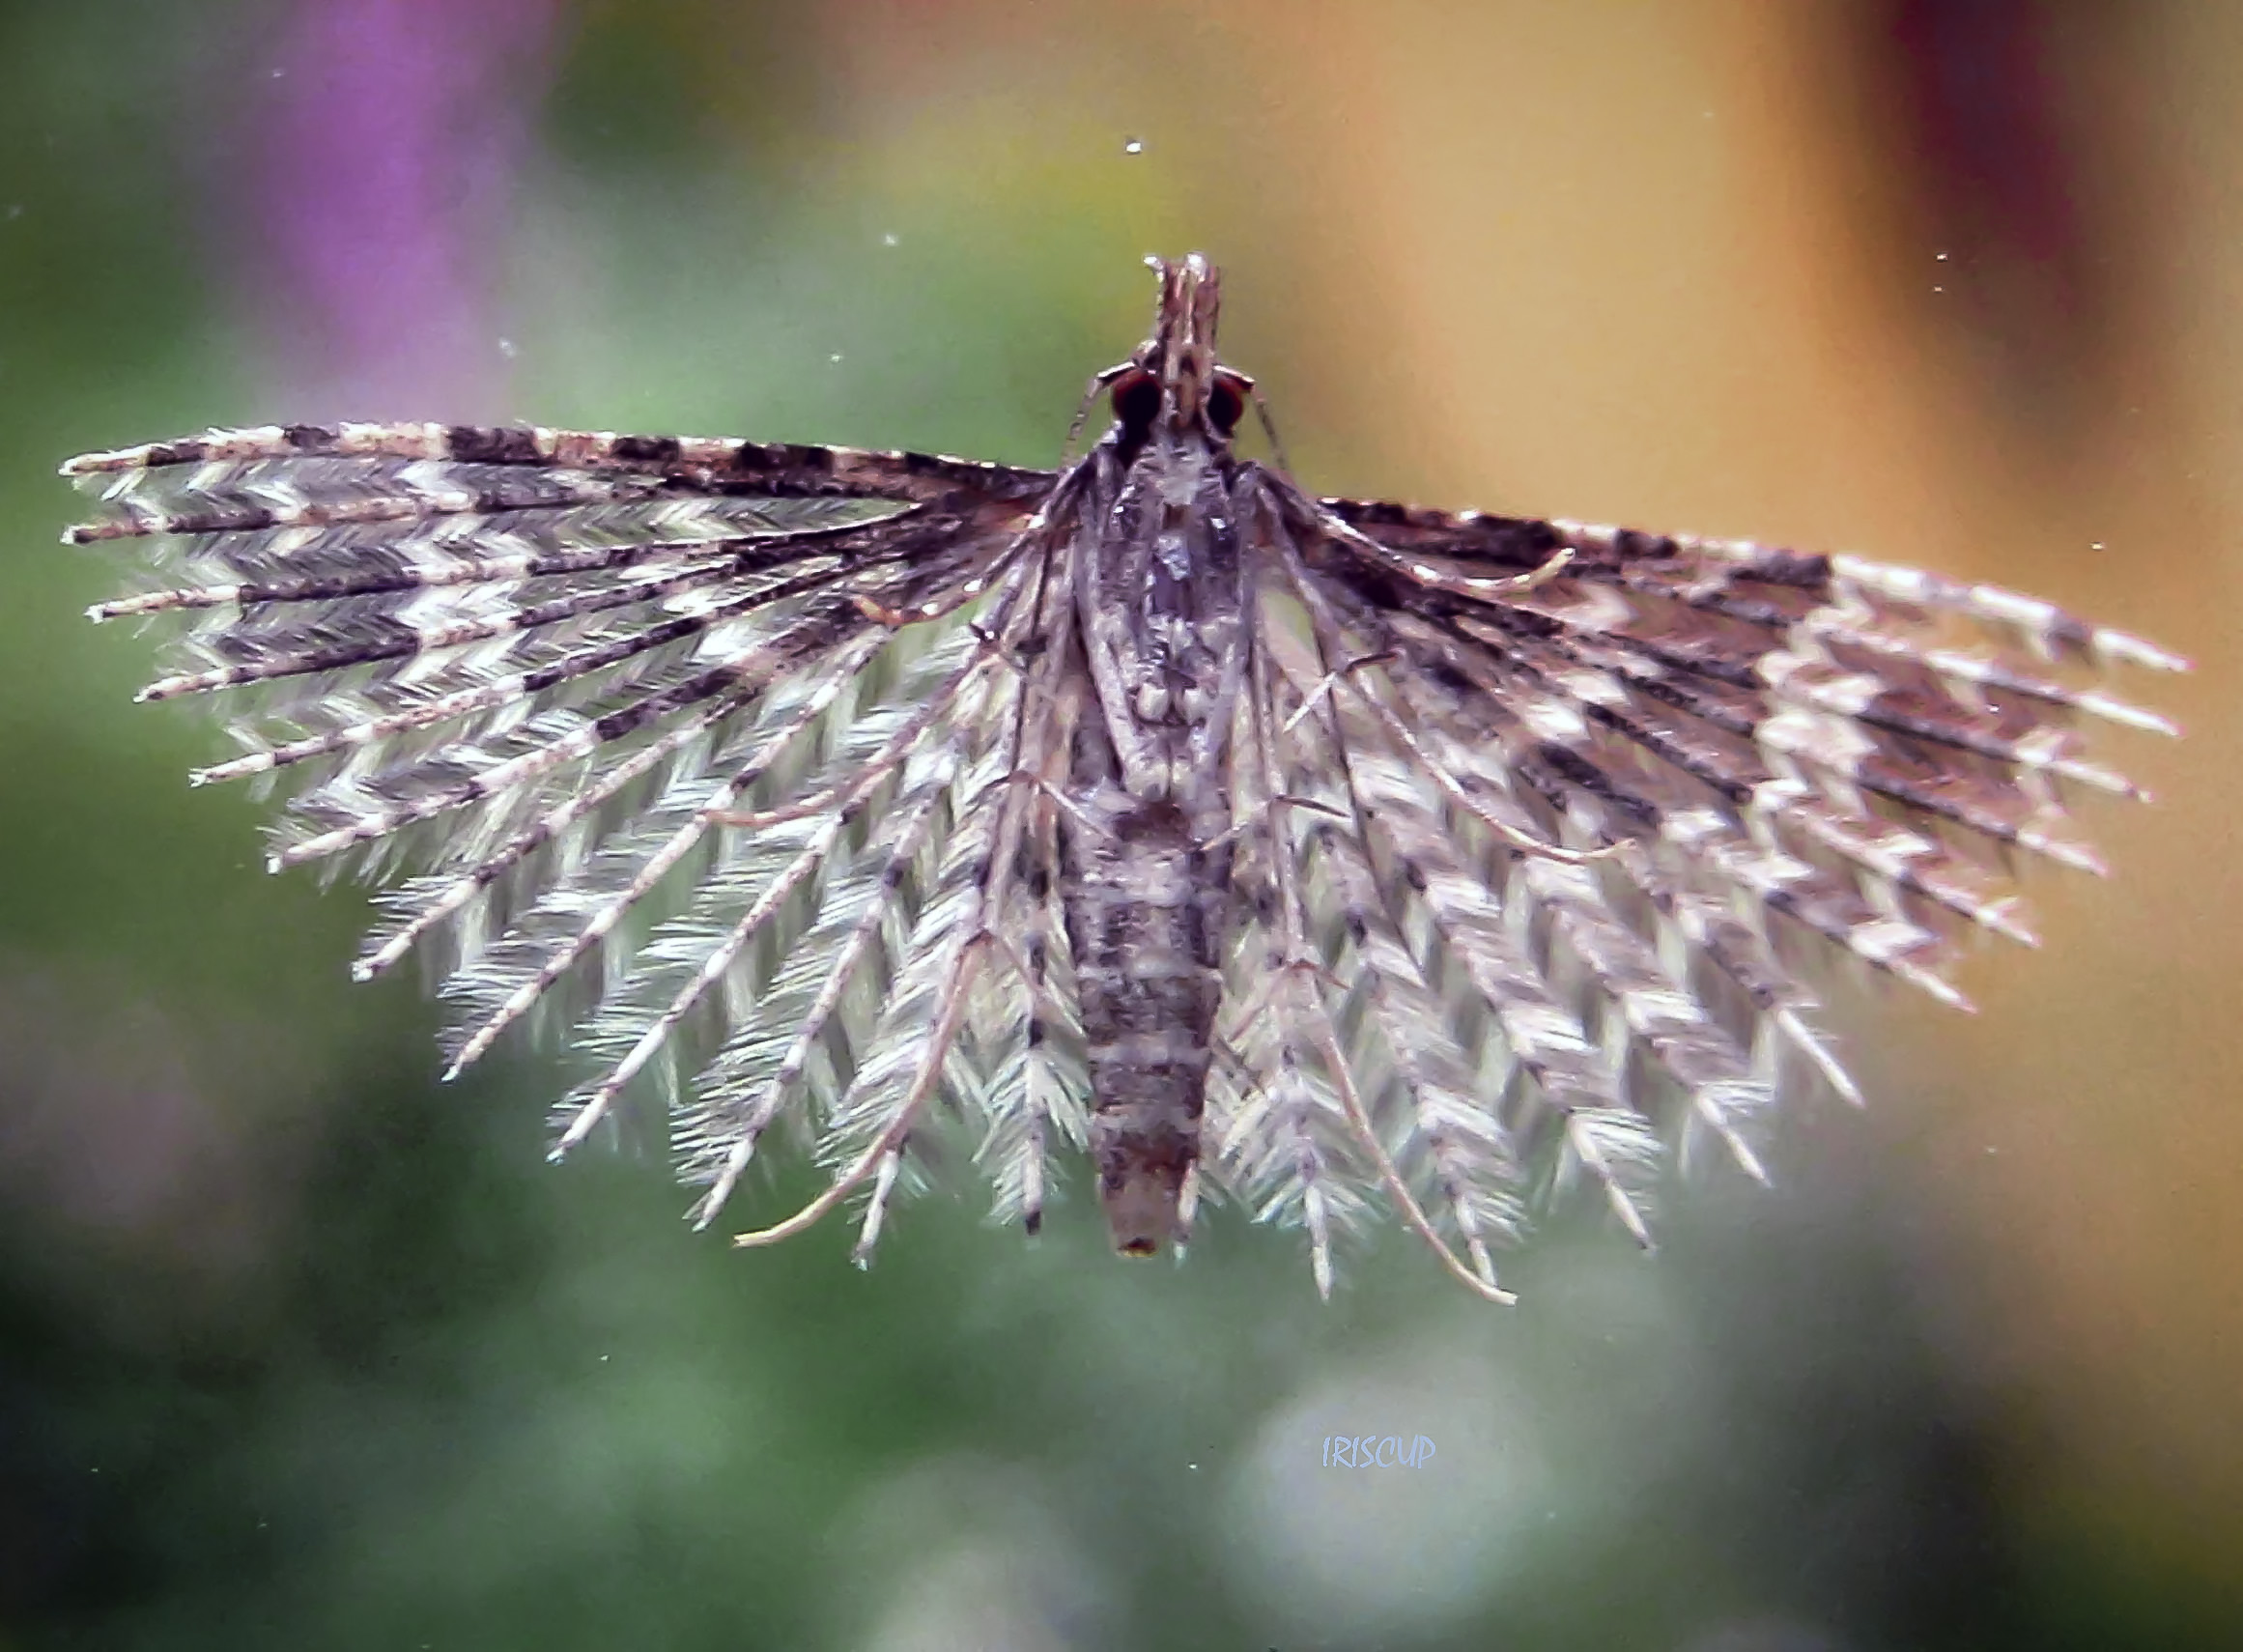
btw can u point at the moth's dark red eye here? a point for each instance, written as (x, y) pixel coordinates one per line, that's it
(1226, 406)
(1137, 399)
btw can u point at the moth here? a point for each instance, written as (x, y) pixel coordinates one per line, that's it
(1343, 859)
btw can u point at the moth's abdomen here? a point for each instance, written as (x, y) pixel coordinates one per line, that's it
(1143, 907)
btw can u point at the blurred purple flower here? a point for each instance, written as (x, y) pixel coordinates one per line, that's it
(383, 167)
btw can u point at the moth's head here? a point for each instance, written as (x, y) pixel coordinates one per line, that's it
(1174, 381)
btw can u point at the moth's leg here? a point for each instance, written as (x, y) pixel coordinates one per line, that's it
(1461, 585)
(933, 608)
(1273, 984)
(907, 828)
(1326, 626)
(1325, 1035)
(882, 1159)
(1187, 1207)
(1330, 681)
(1019, 885)
(1033, 656)
(1025, 943)
(1291, 1004)
(1372, 915)
(1298, 978)
(883, 1156)
(1188, 1199)
(1043, 735)
(1397, 1190)
(1240, 828)
(1262, 413)
(1037, 1080)
(1100, 381)
(1314, 517)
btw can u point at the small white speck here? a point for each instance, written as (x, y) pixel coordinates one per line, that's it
(281, 74)
(1133, 146)
(836, 357)
(891, 239)
(506, 348)
(603, 1359)
(1941, 256)
(2094, 545)
(1193, 1466)
(1938, 288)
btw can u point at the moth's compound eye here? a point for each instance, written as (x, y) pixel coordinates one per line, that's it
(1137, 399)
(1226, 404)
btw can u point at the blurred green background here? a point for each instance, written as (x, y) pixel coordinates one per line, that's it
(298, 1349)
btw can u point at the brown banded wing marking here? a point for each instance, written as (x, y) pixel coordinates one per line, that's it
(522, 654)
(681, 462)
(1576, 765)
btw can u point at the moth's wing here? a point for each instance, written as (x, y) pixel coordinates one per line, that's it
(526, 667)
(1314, 879)
(1477, 1081)
(1779, 754)
(283, 475)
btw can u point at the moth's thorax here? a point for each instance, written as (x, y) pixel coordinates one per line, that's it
(1163, 610)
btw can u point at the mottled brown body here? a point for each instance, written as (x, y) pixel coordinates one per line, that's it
(1145, 911)
(1144, 876)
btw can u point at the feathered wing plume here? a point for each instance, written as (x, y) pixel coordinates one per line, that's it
(1343, 858)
